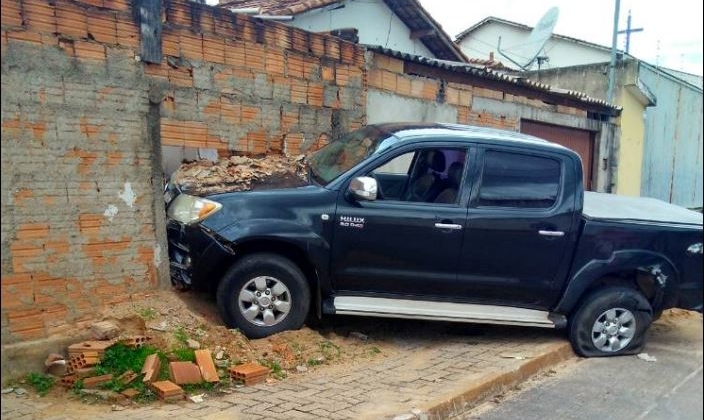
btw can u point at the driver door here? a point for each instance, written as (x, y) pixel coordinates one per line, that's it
(394, 246)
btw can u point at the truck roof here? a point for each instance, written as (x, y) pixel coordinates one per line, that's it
(447, 131)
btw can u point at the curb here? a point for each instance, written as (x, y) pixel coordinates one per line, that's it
(496, 383)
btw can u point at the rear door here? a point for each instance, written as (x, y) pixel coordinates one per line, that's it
(395, 246)
(518, 229)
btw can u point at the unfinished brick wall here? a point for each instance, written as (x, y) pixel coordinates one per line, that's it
(239, 85)
(387, 74)
(80, 224)
(83, 122)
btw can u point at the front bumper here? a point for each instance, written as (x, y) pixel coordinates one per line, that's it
(194, 255)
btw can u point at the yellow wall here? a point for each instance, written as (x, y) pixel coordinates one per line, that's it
(630, 152)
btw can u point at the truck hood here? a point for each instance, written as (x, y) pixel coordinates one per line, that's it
(622, 208)
(296, 205)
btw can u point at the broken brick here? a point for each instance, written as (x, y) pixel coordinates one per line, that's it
(96, 346)
(136, 341)
(184, 373)
(249, 373)
(130, 393)
(104, 330)
(167, 390)
(81, 361)
(68, 381)
(95, 381)
(151, 367)
(127, 377)
(205, 363)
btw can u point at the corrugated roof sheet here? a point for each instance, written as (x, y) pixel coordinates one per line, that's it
(488, 73)
(413, 15)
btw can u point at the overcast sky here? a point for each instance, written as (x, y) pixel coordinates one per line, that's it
(671, 36)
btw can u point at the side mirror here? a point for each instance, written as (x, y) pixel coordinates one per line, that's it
(363, 188)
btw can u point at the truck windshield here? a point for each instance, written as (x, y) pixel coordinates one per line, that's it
(345, 152)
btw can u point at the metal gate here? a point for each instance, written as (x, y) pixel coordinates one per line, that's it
(581, 141)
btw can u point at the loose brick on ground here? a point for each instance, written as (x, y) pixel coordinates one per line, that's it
(167, 390)
(81, 361)
(104, 330)
(127, 377)
(136, 341)
(184, 373)
(204, 360)
(96, 346)
(130, 393)
(250, 373)
(151, 367)
(95, 381)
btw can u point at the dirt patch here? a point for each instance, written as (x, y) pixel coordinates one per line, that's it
(170, 317)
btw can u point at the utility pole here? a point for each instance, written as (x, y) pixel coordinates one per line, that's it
(628, 31)
(612, 64)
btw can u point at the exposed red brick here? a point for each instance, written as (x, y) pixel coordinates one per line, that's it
(130, 393)
(95, 381)
(167, 390)
(151, 367)
(184, 373)
(249, 373)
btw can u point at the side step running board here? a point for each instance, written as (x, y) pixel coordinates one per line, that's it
(440, 311)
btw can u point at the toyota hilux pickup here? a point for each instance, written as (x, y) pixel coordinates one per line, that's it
(441, 222)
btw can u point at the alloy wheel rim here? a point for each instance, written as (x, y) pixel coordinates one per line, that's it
(264, 301)
(613, 330)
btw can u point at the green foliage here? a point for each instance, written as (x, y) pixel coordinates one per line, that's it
(41, 383)
(184, 354)
(120, 358)
(276, 369)
(374, 350)
(147, 314)
(314, 362)
(329, 349)
(180, 336)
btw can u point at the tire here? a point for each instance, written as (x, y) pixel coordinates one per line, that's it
(263, 294)
(610, 322)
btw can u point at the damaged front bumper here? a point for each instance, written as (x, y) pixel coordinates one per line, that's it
(194, 255)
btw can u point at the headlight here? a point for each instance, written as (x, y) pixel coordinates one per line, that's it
(188, 209)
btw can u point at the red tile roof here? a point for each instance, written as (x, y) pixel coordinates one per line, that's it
(413, 15)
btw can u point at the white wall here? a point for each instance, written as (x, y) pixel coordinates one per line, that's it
(376, 23)
(387, 107)
(562, 53)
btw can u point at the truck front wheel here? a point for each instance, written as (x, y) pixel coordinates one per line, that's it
(610, 322)
(263, 294)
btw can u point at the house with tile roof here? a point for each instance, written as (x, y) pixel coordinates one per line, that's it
(659, 152)
(401, 25)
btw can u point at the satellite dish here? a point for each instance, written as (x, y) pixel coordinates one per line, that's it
(525, 54)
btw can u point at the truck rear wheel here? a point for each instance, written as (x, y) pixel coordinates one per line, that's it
(263, 294)
(610, 322)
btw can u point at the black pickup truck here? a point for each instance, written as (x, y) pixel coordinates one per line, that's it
(441, 222)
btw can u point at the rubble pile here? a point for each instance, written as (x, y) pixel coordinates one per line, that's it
(85, 369)
(240, 173)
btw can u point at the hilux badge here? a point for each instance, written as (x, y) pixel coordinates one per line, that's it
(352, 221)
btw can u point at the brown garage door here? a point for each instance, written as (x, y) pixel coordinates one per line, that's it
(581, 141)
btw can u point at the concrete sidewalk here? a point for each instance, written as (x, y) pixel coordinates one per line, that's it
(426, 379)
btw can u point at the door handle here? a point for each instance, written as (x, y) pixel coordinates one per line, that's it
(448, 226)
(552, 233)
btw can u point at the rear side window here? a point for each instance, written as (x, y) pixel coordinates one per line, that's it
(517, 180)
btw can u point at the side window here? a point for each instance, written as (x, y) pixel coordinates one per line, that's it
(425, 175)
(517, 180)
